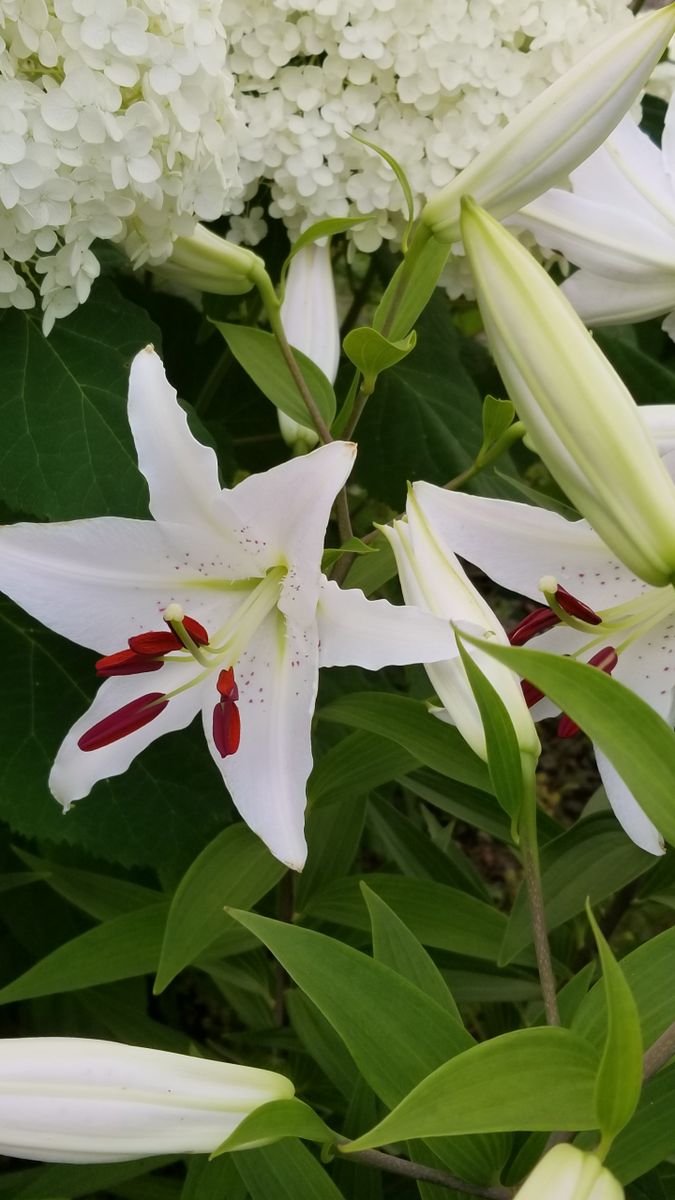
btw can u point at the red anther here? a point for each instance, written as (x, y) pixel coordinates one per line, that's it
(605, 659)
(156, 643)
(531, 693)
(226, 727)
(575, 607)
(567, 728)
(197, 632)
(226, 685)
(535, 622)
(125, 720)
(126, 662)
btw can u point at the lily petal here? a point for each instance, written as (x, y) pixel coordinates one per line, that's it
(375, 633)
(100, 581)
(292, 504)
(660, 421)
(75, 771)
(516, 544)
(629, 172)
(600, 300)
(277, 677)
(626, 809)
(182, 474)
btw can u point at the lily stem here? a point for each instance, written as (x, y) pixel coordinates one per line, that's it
(659, 1053)
(413, 1170)
(535, 895)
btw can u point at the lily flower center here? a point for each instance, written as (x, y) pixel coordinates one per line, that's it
(185, 640)
(611, 630)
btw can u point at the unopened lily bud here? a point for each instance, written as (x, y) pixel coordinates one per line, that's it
(580, 417)
(566, 1173)
(208, 263)
(80, 1100)
(310, 321)
(559, 129)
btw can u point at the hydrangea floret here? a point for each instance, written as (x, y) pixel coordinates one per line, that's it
(83, 1100)
(222, 601)
(118, 123)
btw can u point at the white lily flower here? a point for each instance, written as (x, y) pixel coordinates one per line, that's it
(235, 579)
(432, 578)
(618, 225)
(597, 610)
(566, 1173)
(557, 130)
(81, 1100)
(580, 417)
(310, 320)
(210, 263)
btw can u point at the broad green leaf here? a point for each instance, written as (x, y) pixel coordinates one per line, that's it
(372, 353)
(482, 986)
(285, 1171)
(438, 916)
(472, 806)
(276, 1120)
(497, 416)
(649, 972)
(348, 1174)
(594, 859)
(511, 774)
(355, 765)
(424, 419)
(649, 1137)
(614, 717)
(119, 949)
(100, 896)
(648, 381)
(409, 723)
(619, 1081)
(235, 868)
(213, 1179)
(259, 354)
(408, 294)
(530, 1079)
(67, 446)
(119, 1012)
(398, 948)
(159, 813)
(371, 573)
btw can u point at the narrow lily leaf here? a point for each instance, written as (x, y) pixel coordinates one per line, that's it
(530, 1079)
(408, 292)
(333, 834)
(438, 916)
(649, 1137)
(76, 1180)
(594, 859)
(512, 787)
(322, 1042)
(409, 723)
(276, 1120)
(119, 949)
(259, 354)
(353, 545)
(101, 896)
(398, 948)
(614, 717)
(649, 972)
(15, 879)
(357, 764)
(320, 229)
(619, 1081)
(235, 868)
(414, 852)
(287, 1171)
(213, 1179)
(403, 182)
(373, 353)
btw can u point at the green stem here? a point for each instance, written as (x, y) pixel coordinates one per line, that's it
(412, 1170)
(535, 895)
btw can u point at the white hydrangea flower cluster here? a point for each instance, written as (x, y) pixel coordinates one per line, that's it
(116, 121)
(427, 80)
